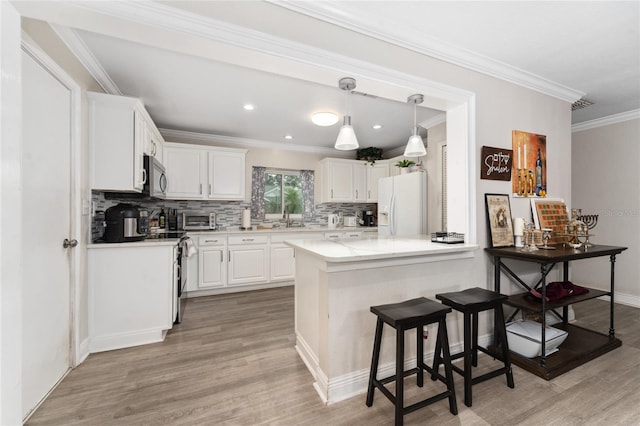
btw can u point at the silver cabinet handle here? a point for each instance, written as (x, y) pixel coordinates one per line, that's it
(332, 194)
(247, 239)
(200, 188)
(369, 196)
(69, 243)
(356, 194)
(210, 241)
(209, 189)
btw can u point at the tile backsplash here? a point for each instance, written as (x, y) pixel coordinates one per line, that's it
(228, 213)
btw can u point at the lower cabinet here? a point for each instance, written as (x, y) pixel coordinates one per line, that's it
(234, 260)
(212, 262)
(131, 288)
(248, 259)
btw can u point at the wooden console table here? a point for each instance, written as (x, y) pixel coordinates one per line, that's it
(581, 344)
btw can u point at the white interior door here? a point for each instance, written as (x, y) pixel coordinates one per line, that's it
(46, 221)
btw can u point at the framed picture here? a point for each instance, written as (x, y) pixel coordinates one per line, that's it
(499, 220)
(550, 213)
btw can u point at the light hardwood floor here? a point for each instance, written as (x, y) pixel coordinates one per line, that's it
(232, 362)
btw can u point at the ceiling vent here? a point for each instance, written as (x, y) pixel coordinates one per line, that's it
(580, 103)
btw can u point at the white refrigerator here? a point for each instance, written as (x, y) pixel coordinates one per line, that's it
(402, 205)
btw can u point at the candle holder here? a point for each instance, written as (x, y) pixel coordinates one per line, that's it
(529, 237)
(522, 187)
(590, 221)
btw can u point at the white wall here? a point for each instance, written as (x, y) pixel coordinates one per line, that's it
(606, 181)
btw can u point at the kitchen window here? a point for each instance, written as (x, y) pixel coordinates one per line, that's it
(273, 190)
(282, 194)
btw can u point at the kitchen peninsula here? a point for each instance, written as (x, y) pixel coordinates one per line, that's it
(337, 282)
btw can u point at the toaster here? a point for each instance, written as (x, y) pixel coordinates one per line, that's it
(350, 221)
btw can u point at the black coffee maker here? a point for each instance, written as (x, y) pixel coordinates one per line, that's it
(125, 223)
(369, 218)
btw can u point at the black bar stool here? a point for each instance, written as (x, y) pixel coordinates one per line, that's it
(415, 313)
(470, 302)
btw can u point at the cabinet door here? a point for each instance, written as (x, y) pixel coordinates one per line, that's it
(139, 141)
(375, 173)
(186, 172)
(248, 264)
(283, 265)
(212, 267)
(340, 182)
(226, 176)
(359, 182)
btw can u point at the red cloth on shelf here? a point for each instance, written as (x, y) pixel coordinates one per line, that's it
(559, 290)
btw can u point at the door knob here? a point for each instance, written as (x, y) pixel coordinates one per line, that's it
(69, 243)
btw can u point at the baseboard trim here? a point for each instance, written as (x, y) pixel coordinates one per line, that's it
(355, 383)
(126, 340)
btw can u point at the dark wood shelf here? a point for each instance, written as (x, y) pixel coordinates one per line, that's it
(580, 347)
(529, 303)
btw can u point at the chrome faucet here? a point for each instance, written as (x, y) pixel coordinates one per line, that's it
(285, 216)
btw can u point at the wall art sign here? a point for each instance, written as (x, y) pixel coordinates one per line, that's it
(495, 163)
(499, 220)
(529, 167)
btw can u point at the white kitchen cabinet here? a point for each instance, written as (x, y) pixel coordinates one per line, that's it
(130, 293)
(337, 180)
(350, 181)
(343, 235)
(212, 262)
(374, 173)
(186, 169)
(200, 173)
(226, 174)
(153, 143)
(359, 181)
(116, 132)
(282, 256)
(248, 259)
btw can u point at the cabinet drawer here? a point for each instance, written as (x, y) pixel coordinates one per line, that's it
(278, 238)
(206, 240)
(248, 239)
(353, 234)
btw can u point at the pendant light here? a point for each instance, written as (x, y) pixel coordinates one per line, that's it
(415, 146)
(347, 137)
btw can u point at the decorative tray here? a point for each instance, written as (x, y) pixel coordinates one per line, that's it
(447, 237)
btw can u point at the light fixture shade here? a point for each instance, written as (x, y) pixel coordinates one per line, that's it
(415, 147)
(324, 119)
(347, 137)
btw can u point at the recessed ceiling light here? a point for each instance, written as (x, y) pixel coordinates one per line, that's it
(378, 126)
(324, 118)
(288, 137)
(248, 107)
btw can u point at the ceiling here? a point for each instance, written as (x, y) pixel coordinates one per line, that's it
(580, 49)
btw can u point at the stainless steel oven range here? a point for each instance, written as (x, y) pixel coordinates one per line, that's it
(181, 278)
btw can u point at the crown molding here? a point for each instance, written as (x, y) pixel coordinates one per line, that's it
(78, 47)
(434, 121)
(171, 135)
(605, 121)
(364, 23)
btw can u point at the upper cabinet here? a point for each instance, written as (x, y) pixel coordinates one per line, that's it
(350, 181)
(197, 172)
(120, 132)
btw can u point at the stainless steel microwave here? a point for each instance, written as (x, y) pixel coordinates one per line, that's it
(198, 220)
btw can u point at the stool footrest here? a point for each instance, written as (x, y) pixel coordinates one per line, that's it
(390, 379)
(424, 403)
(489, 375)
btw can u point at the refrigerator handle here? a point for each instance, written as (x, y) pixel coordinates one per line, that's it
(392, 216)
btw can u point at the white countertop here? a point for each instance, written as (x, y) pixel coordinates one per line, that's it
(283, 229)
(376, 248)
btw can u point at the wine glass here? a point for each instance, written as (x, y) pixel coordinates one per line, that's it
(546, 236)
